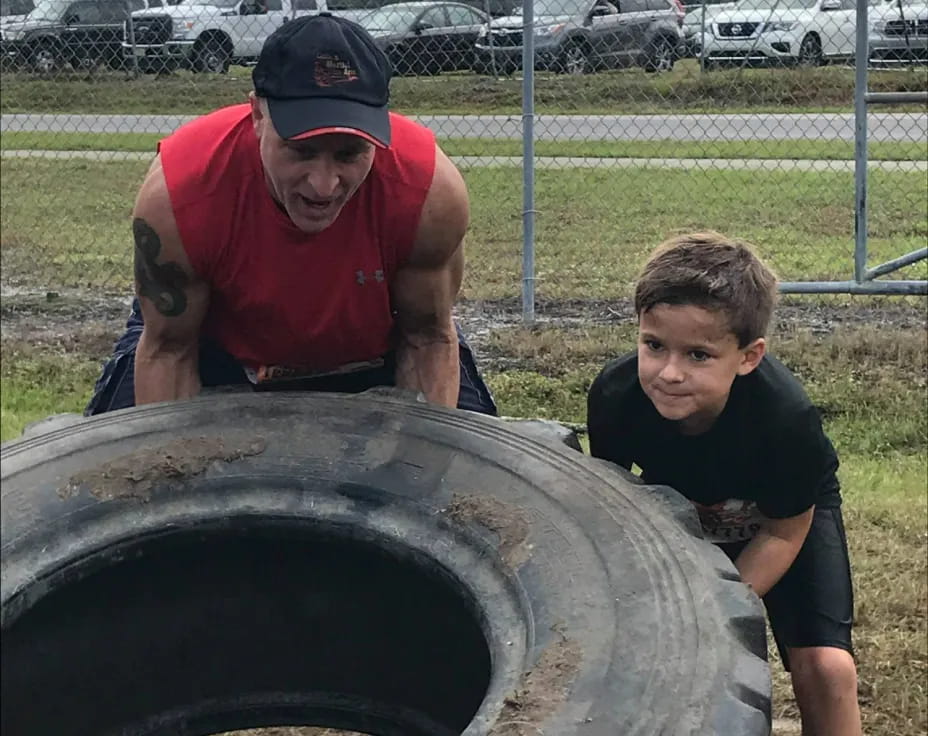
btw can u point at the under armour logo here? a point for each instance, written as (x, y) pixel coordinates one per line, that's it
(363, 278)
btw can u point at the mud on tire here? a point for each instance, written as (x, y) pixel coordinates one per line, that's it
(360, 562)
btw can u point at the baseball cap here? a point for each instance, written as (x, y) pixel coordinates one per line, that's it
(325, 74)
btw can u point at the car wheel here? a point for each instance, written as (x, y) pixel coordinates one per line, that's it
(660, 56)
(575, 59)
(212, 57)
(46, 59)
(361, 562)
(810, 51)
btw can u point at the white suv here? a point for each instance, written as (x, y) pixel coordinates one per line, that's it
(770, 32)
(694, 18)
(899, 32)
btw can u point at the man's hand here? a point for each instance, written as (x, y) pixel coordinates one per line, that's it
(173, 299)
(425, 288)
(773, 549)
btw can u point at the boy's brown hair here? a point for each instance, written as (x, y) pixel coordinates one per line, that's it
(709, 270)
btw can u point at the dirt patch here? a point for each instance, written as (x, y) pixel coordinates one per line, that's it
(292, 731)
(87, 323)
(541, 690)
(136, 474)
(508, 522)
(69, 310)
(486, 322)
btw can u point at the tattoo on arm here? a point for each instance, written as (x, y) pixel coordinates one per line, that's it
(163, 283)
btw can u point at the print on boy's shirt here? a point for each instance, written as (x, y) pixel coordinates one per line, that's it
(732, 520)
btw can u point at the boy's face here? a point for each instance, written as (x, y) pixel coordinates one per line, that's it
(687, 360)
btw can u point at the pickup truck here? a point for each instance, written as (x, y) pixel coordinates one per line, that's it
(209, 35)
(57, 33)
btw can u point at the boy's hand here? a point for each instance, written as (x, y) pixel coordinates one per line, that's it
(769, 555)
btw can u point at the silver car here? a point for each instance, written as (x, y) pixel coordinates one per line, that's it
(579, 36)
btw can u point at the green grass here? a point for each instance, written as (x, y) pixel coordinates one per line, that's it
(594, 228)
(879, 372)
(66, 224)
(870, 384)
(683, 90)
(821, 150)
(35, 387)
(886, 516)
(63, 389)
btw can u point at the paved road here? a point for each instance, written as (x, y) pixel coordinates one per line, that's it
(562, 162)
(903, 127)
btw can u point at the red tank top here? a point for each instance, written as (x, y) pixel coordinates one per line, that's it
(281, 301)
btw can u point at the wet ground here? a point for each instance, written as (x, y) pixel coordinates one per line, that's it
(90, 324)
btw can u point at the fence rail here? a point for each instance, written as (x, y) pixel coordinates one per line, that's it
(587, 130)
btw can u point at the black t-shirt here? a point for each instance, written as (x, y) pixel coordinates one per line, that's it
(765, 453)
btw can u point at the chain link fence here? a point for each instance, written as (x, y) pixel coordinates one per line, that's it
(647, 117)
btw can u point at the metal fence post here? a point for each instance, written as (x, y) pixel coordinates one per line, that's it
(486, 9)
(861, 62)
(130, 33)
(528, 162)
(702, 38)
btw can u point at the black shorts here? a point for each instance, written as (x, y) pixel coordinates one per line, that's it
(812, 605)
(115, 389)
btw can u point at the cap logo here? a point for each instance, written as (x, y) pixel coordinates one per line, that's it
(330, 70)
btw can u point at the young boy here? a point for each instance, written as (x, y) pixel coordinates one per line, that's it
(703, 408)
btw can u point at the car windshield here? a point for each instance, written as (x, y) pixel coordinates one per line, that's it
(212, 3)
(49, 9)
(15, 7)
(776, 4)
(557, 7)
(390, 18)
(352, 5)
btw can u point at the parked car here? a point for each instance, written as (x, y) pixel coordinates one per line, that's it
(778, 32)
(76, 32)
(496, 8)
(427, 37)
(14, 11)
(899, 33)
(209, 35)
(694, 18)
(579, 36)
(351, 9)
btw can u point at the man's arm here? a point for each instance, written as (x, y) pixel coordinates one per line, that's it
(773, 549)
(426, 287)
(173, 299)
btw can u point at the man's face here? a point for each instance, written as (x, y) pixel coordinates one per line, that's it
(688, 359)
(311, 179)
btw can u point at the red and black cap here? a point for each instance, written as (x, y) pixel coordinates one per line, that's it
(325, 74)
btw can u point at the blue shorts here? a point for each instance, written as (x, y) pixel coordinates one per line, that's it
(115, 389)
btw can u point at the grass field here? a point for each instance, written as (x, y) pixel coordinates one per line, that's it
(629, 91)
(66, 225)
(869, 383)
(594, 228)
(813, 150)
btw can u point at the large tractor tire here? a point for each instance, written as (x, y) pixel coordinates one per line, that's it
(361, 562)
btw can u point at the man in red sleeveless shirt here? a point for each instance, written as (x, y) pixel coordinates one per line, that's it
(308, 239)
